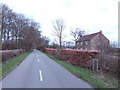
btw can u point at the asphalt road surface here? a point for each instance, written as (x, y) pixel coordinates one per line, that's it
(39, 71)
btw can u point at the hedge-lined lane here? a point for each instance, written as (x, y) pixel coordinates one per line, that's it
(39, 71)
(97, 80)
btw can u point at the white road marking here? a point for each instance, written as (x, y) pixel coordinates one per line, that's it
(40, 74)
(38, 60)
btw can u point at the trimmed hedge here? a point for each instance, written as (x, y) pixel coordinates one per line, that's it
(76, 57)
(7, 54)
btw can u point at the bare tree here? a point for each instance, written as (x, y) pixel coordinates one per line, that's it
(6, 22)
(77, 33)
(59, 26)
(114, 44)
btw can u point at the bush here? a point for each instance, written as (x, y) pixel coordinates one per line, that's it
(108, 63)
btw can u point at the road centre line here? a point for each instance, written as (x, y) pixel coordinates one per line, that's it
(40, 74)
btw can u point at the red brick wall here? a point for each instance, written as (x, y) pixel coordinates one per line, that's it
(77, 57)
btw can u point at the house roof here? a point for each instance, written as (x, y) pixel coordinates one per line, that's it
(88, 37)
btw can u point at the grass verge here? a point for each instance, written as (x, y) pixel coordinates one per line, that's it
(96, 80)
(10, 64)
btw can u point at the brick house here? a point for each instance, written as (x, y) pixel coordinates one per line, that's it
(92, 41)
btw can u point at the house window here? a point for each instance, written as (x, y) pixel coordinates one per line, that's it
(86, 42)
(78, 43)
(81, 43)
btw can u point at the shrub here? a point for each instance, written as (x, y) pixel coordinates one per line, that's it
(108, 63)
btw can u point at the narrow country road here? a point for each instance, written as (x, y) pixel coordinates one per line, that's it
(39, 71)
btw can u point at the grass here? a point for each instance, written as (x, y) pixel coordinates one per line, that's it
(96, 80)
(10, 64)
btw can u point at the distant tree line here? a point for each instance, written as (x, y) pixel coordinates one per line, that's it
(19, 32)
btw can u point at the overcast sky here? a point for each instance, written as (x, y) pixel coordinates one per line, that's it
(90, 15)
